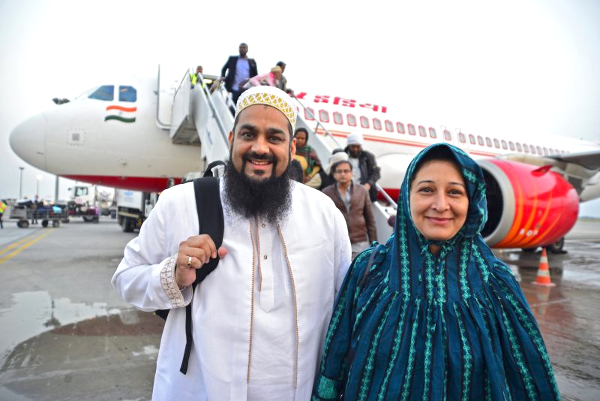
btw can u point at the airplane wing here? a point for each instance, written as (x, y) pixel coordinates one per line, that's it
(589, 160)
(580, 169)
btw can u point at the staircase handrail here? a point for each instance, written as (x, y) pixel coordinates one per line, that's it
(387, 197)
(224, 131)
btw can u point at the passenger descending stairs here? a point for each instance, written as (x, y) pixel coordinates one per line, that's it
(199, 117)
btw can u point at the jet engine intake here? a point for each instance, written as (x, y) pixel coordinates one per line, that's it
(528, 206)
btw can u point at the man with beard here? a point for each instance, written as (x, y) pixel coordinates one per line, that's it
(260, 317)
(364, 166)
(237, 71)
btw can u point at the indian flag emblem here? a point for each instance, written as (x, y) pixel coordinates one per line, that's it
(119, 113)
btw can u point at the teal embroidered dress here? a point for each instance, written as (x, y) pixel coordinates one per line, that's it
(418, 326)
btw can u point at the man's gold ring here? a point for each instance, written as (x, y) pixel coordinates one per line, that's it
(189, 261)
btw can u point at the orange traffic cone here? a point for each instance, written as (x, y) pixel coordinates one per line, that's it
(543, 274)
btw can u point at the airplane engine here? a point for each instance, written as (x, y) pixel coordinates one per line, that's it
(528, 206)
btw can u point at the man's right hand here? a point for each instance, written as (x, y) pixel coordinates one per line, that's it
(201, 249)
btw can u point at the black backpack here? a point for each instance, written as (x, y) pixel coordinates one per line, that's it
(208, 204)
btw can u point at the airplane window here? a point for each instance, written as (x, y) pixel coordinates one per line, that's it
(411, 129)
(512, 145)
(351, 120)
(432, 132)
(461, 137)
(309, 114)
(401, 128)
(472, 139)
(532, 149)
(364, 122)
(324, 116)
(526, 147)
(447, 135)
(545, 150)
(504, 146)
(389, 126)
(105, 92)
(480, 140)
(377, 124)
(488, 142)
(127, 94)
(422, 131)
(539, 149)
(519, 147)
(496, 143)
(338, 118)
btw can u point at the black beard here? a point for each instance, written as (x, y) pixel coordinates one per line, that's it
(269, 199)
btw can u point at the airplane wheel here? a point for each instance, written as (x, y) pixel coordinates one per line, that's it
(55, 223)
(22, 223)
(44, 223)
(558, 246)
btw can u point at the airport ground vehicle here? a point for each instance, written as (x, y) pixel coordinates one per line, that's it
(133, 207)
(89, 202)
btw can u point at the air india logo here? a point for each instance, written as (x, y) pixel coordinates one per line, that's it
(119, 113)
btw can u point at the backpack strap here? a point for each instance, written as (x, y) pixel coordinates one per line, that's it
(210, 219)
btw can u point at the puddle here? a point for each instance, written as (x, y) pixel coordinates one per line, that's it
(33, 313)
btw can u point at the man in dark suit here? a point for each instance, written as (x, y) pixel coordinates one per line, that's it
(237, 70)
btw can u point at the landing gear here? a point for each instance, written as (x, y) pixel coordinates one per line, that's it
(556, 247)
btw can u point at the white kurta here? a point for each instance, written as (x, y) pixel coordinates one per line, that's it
(318, 247)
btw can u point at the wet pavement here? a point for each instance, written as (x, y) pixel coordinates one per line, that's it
(569, 313)
(66, 335)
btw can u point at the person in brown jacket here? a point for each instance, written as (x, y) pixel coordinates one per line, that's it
(354, 203)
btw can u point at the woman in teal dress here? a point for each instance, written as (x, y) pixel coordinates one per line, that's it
(433, 314)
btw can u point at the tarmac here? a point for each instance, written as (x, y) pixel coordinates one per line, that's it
(67, 335)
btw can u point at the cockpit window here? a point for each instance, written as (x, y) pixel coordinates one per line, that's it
(127, 94)
(105, 92)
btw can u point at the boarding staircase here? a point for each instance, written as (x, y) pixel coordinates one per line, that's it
(203, 116)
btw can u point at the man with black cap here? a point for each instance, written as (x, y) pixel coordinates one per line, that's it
(364, 166)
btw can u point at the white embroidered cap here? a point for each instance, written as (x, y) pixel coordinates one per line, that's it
(268, 96)
(334, 158)
(355, 138)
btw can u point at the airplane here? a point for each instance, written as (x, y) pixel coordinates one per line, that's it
(147, 131)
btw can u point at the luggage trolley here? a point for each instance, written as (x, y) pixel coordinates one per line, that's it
(46, 214)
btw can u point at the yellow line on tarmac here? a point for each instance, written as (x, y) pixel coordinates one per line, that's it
(24, 246)
(14, 245)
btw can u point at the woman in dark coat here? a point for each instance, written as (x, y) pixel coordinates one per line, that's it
(436, 315)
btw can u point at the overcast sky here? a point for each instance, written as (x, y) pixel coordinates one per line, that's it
(487, 67)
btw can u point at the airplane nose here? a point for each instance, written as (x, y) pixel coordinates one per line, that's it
(28, 141)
